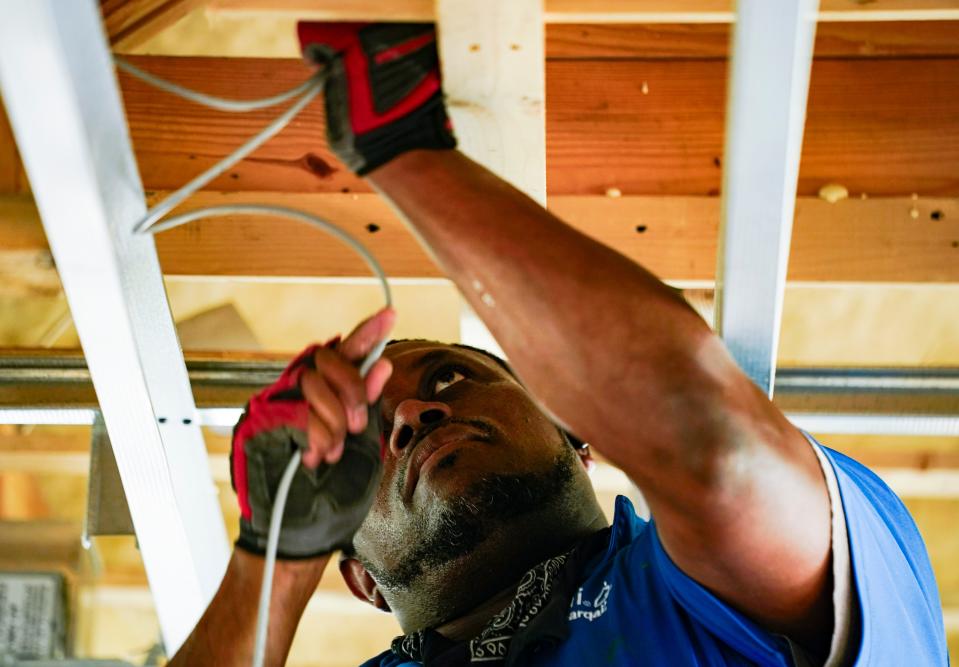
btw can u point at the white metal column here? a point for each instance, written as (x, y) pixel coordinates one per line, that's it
(769, 82)
(62, 98)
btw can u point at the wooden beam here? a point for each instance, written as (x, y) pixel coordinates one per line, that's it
(493, 78)
(597, 11)
(871, 240)
(711, 40)
(643, 127)
(12, 178)
(493, 67)
(129, 23)
(657, 127)
(233, 35)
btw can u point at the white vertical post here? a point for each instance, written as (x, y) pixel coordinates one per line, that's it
(769, 82)
(494, 76)
(61, 95)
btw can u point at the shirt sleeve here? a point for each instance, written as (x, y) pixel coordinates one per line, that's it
(886, 605)
(895, 599)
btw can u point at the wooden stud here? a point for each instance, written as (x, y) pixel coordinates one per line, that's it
(493, 78)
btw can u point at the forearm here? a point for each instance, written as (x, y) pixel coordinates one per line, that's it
(577, 319)
(225, 633)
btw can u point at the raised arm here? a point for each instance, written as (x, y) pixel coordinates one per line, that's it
(320, 404)
(738, 495)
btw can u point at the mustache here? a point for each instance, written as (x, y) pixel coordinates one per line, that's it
(478, 424)
(485, 429)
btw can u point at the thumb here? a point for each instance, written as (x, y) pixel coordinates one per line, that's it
(367, 334)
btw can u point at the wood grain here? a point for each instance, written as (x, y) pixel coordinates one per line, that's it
(174, 140)
(492, 61)
(12, 178)
(270, 35)
(129, 23)
(873, 240)
(884, 127)
(711, 40)
(598, 11)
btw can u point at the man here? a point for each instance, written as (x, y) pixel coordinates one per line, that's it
(483, 535)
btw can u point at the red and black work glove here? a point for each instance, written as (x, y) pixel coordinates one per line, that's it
(326, 504)
(383, 94)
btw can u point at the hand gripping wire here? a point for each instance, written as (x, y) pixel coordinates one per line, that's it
(155, 221)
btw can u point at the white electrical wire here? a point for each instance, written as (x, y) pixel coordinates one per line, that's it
(151, 223)
(294, 214)
(178, 197)
(218, 103)
(272, 542)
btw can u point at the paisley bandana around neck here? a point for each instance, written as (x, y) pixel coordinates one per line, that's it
(547, 588)
(492, 644)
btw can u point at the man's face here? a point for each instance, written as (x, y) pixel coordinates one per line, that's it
(467, 447)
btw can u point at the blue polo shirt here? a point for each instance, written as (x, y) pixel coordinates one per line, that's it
(636, 607)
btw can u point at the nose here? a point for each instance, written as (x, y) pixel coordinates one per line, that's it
(411, 415)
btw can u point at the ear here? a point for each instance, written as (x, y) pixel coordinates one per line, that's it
(361, 583)
(586, 457)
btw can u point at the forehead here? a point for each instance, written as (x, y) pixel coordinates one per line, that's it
(411, 357)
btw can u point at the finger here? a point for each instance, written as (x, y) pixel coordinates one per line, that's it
(319, 441)
(377, 378)
(345, 381)
(324, 403)
(367, 334)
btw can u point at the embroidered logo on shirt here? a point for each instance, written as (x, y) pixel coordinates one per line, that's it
(590, 609)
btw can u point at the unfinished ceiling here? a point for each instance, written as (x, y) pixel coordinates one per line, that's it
(635, 97)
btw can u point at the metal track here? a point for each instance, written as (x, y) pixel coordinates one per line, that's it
(45, 387)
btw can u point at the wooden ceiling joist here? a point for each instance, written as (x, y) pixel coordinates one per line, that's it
(597, 11)
(233, 35)
(129, 23)
(871, 240)
(644, 127)
(711, 40)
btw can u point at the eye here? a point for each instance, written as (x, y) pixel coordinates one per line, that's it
(446, 378)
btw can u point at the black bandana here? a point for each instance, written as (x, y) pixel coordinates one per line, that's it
(536, 615)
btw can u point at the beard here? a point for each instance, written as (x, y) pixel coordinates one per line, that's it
(463, 523)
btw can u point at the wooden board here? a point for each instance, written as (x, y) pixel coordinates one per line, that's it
(711, 40)
(597, 11)
(883, 127)
(131, 22)
(266, 35)
(493, 72)
(872, 240)
(12, 178)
